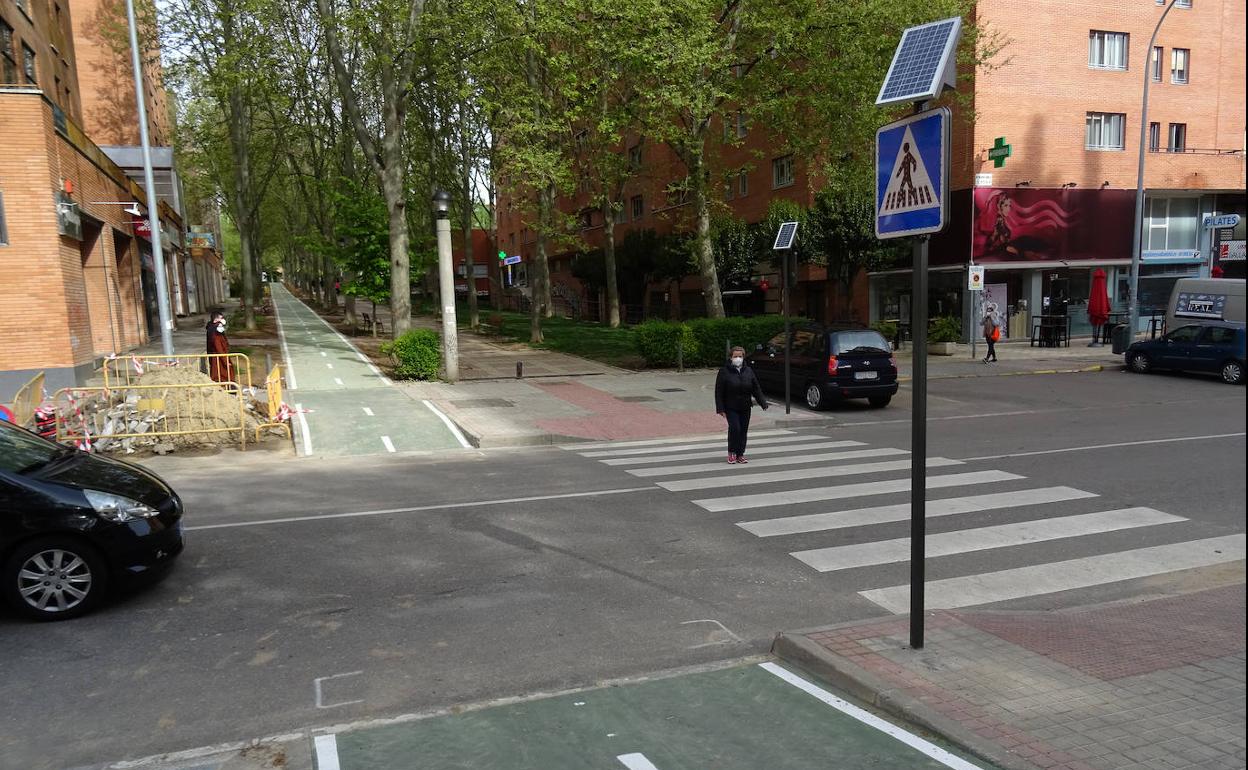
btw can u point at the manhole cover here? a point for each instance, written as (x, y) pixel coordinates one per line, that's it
(482, 403)
(671, 390)
(635, 399)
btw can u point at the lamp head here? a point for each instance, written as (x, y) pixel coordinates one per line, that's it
(133, 209)
(441, 203)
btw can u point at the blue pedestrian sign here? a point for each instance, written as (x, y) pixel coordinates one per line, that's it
(912, 175)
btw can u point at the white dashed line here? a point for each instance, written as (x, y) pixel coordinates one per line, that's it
(338, 380)
(367, 411)
(389, 444)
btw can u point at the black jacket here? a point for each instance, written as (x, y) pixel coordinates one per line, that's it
(733, 389)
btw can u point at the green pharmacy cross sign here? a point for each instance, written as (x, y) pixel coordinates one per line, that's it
(999, 152)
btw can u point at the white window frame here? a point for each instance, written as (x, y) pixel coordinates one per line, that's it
(783, 173)
(1180, 76)
(1096, 121)
(4, 229)
(1154, 137)
(742, 128)
(1175, 130)
(1108, 50)
(1183, 3)
(30, 65)
(1154, 205)
(1155, 63)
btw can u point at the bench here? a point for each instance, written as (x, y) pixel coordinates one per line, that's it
(372, 325)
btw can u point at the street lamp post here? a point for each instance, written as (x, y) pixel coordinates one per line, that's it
(446, 286)
(149, 187)
(1133, 301)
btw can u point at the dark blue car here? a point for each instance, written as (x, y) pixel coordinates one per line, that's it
(1209, 346)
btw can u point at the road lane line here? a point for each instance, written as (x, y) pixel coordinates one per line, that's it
(804, 474)
(1053, 577)
(281, 333)
(327, 752)
(331, 366)
(304, 431)
(668, 469)
(422, 508)
(1108, 446)
(338, 380)
(983, 538)
(719, 453)
(388, 443)
(818, 494)
(450, 425)
(871, 720)
(883, 514)
(636, 762)
(367, 411)
(324, 354)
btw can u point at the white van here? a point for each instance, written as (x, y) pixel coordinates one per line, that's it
(1213, 299)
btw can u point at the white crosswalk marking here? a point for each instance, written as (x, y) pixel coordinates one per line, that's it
(983, 538)
(804, 459)
(661, 441)
(816, 522)
(721, 443)
(1050, 578)
(817, 494)
(767, 450)
(805, 474)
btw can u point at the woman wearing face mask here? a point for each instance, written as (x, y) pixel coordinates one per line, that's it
(220, 368)
(735, 387)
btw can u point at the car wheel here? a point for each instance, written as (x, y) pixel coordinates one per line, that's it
(1139, 363)
(1233, 372)
(879, 402)
(814, 396)
(54, 578)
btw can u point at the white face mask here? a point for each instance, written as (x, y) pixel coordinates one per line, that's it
(737, 361)
(220, 327)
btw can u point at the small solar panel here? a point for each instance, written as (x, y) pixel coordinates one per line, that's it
(785, 236)
(923, 64)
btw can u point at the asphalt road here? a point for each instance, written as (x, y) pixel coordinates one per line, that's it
(322, 591)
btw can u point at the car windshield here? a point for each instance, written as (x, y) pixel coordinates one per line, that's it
(865, 341)
(23, 452)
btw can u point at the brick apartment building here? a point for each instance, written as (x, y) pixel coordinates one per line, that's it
(76, 270)
(1068, 104)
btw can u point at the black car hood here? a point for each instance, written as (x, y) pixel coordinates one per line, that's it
(88, 471)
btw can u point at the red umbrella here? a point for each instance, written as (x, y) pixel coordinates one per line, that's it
(1098, 300)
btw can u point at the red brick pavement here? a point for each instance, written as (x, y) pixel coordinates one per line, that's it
(612, 418)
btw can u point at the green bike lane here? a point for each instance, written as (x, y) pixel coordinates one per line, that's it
(743, 717)
(344, 404)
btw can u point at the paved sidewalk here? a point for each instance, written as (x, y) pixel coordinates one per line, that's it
(1151, 685)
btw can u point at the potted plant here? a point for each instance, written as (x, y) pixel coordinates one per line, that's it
(943, 334)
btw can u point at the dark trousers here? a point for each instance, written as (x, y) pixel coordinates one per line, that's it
(992, 349)
(738, 427)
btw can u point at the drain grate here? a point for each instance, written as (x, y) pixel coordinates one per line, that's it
(482, 403)
(671, 390)
(635, 399)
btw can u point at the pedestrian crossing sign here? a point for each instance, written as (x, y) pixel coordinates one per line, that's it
(912, 175)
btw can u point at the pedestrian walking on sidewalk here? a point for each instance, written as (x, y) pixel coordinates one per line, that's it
(736, 388)
(220, 368)
(992, 333)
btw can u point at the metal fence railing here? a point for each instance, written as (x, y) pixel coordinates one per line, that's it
(273, 392)
(27, 400)
(126, 370)
(96, 417)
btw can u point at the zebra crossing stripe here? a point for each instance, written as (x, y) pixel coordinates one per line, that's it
(844, 491)
(805, 459)
(883, 514)
(720, 442)
(989, 587)
(719, 452)
(659, 441)
(983, 538)
(743, 479)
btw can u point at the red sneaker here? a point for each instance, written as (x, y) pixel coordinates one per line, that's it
(741, 459)
(731, 458)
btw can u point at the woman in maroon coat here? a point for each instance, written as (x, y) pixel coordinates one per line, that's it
(220, 369)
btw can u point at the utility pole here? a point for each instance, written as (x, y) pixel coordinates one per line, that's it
(446, 286)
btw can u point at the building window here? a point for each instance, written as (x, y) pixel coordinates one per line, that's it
(1179, 64)
(23, 6)
(28, 64)
(742, 130)
(1154, 137)
(1178, 138)
(4, 230)
(639, 207)
(1173, 223)
(782, 171)
(1105, 130)
(8, 57)
(743, 184)
(1107, 50)
(634, 157)
(730, 186)
(1183, 4)
(1155, 65)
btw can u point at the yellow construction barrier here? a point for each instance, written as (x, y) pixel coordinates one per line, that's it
(89, 416)
(126, 370)
(273, 389)
(27, 400)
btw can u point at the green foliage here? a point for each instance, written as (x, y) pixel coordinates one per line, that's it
(945, 328)
(362, 229)
(416, 354)
(736, 246)
(657, 342)
(704, 340)
(886, 328)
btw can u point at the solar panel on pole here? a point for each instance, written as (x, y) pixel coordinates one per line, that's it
(923, 64)
(785, 236)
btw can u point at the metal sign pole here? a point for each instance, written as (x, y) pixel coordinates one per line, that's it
(788, 332)
(918, 442)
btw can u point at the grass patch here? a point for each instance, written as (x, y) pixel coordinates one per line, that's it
(597, 342)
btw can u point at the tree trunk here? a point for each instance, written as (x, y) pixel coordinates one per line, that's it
(539, 276)
(242, 180)
(608, 263)
(396, 208)
(470, 265)
(702, 242)
(349, 305)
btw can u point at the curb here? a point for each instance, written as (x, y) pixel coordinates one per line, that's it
(1083, 370)
(800, 651)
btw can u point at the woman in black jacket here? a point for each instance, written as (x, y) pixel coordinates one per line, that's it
(735, 386)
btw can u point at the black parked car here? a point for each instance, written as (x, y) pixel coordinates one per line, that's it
(72, 523)
(1209, 346)
(829, 364)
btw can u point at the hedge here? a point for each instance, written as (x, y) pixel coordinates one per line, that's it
(417, 354)
(704, 340)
